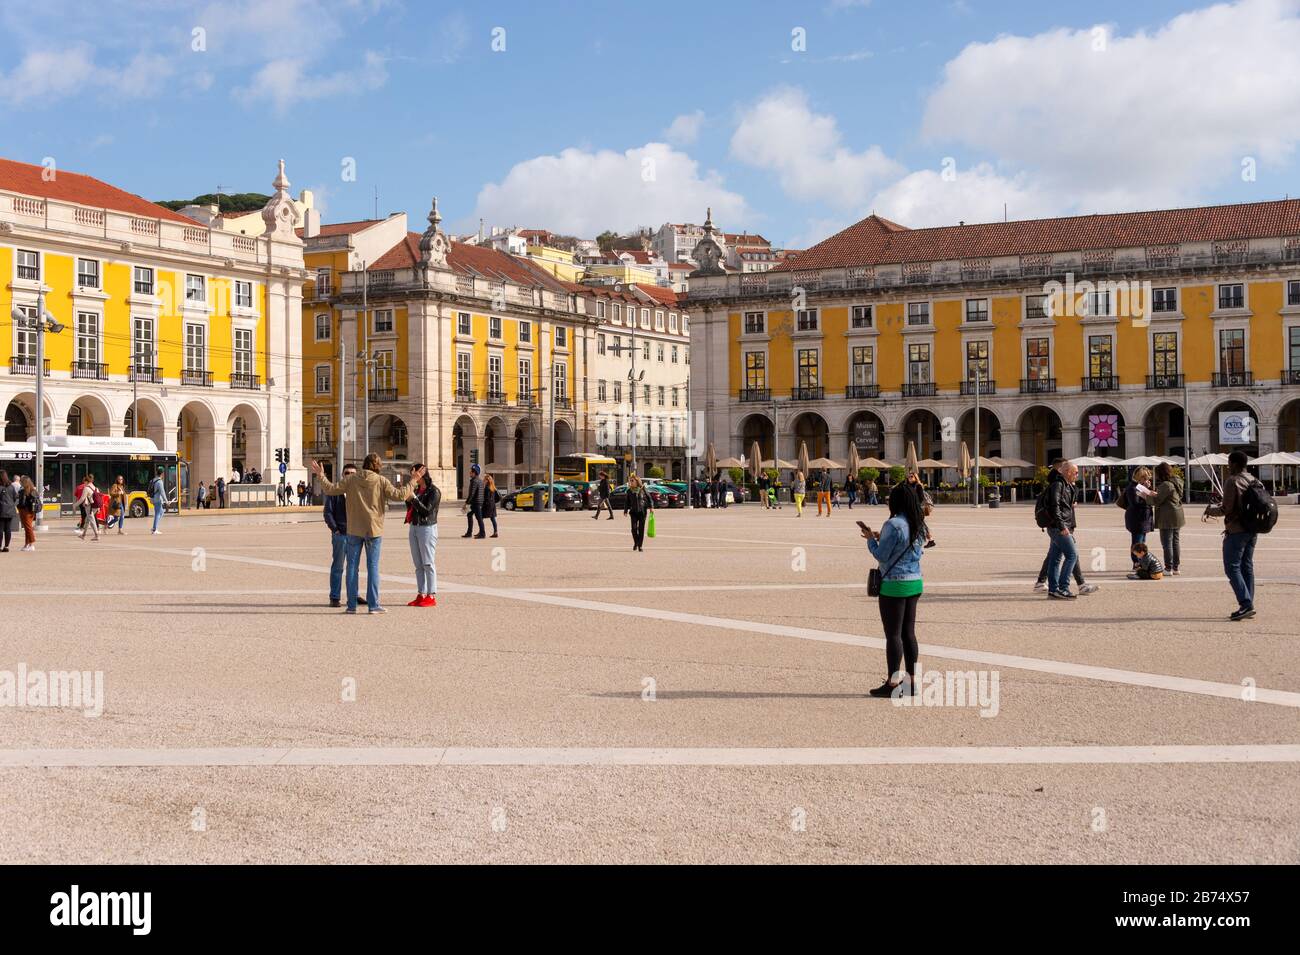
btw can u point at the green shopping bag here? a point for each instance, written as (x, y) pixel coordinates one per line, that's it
(650, 525)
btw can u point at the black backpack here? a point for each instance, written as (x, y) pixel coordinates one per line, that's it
(1257, 509)
(1043, 508)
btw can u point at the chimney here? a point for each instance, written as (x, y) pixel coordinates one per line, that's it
(311, 224)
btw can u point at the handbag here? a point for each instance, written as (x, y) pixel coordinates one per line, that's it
(874, 576)
(650, 525)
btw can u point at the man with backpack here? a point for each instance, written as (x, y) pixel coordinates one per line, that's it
(1054, 512)
(1247, 510)
(158, 495)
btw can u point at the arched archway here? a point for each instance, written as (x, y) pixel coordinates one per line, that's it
(1040, 435)
(389, 437)
(1288, 426)
(496, 436)
(866, 430)
(20, 411)
(152, 422)
(247, 437)
(200, 459)
(811, 429)
(1238, 431)
(525, 452)
(990, 433)
(757, 427)
(18, 423)
(1165, 430)
(464, 438)
(89, 415)
(1102, 432)
(564, 441)
(924, 429)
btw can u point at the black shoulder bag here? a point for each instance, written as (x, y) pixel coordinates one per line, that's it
(874, 576)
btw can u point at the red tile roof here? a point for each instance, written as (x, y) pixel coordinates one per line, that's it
(665, 296)
(342, 228)
(875, 240)
(470, 260)
(85, 190)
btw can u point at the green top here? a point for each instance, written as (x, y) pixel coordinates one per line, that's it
(900, 588)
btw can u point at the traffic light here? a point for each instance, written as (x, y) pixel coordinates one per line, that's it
(279, 455)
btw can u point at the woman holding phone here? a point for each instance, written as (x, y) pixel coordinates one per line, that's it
(897, 547)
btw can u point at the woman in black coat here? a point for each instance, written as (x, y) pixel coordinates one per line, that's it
(1139, 517)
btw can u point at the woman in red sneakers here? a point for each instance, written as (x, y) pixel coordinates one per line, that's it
(422, 515)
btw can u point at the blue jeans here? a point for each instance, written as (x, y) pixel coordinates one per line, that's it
(1239, 565)
(424, 552)
(1063, 550)
(158, 505)
(372, 545)
(338, 551)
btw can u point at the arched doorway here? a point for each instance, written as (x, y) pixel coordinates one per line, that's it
(1101, 432)
(866, 430)
(18, 423)
(196, 448)
(563, 438)
(1166, 430)
(247, 438)
(924, 429)
(151, 422)
(811, 429)
(990, 435)
(1288, 427)
(1040, 435)
(495, 438)
(464, 437)
(389, 437)
(1234, 426)
(757, 427)
(89, 415)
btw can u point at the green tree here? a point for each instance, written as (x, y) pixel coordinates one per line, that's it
(655, 472)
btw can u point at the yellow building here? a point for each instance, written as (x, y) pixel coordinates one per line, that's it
(452, 354)
(185, 326)
(1091, 334)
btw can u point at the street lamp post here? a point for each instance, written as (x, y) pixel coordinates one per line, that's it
(42, 322)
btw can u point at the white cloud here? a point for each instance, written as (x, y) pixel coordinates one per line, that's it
(585, 192)
(685, 129)
(1146, 119)
(286, 82)
(781, 133)
(48, 75)
(925, 198)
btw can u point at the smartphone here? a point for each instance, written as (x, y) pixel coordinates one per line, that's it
(865, 529)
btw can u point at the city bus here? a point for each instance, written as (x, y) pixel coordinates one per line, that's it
(584, 467)
(68, 459)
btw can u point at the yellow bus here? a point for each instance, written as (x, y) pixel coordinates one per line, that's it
(68, 459)
(584, 467)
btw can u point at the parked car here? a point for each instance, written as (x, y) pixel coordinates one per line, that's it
(660, 495)
(567, 497)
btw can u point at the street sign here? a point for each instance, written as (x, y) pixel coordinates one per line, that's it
(283, 467)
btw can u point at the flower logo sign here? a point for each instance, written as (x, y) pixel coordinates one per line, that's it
(1103, 430)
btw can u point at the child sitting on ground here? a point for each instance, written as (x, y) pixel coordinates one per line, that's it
(1145, 565)
(771, 498)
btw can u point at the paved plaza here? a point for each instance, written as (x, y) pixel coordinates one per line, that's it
(571, 700)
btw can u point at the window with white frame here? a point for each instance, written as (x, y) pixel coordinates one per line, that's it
(645, 318)
(618, 391)
(1037, 306)
(1100, 304)
(600, 390)
(675, 396)
(324, 429)
(25, 342)
(659, 352)
(600, 309)
(495, 386)
(808, 361)
(560, 379)
(918, 313)
(918, 363)
(383, 321)
(463, 359)
(462, 323)
(645, 395)
(616, 313)
(88, 273)
(142, 347)
(243, 294)
(672, 321)
(864, 365)
(324, 379)
(525, 332)
(196, 351)
(755, 323)
(494, 328)
(977, 310)
(645, 351)
(1293, 292)
(659, 320)
(324, 281)
(1232, 295)
(142, 280)
(674, 354)
(324, 327)
(196, 288)
(862, 316)
(1164, 300)
(685, 324)
(661, 395)
(243, 356)
(806, 320)
(385, 369)
(525, 383)
(87, 338)
(29, 265)
(561, 337)
(1038, 359)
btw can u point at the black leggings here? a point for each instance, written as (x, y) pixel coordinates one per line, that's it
(6, 531)
(638, 527)
(898, 614)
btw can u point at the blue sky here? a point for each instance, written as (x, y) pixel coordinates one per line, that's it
(612, 115)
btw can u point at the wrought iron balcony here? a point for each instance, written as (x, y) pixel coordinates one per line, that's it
(1232, 379)
(1291, 376)
(495, 398)
(526, 401)
(1101, 383)
(196, 378)
(90, 370)
(1037, 386)
(464, 397)
(383, 394)
(245, 380)
(563, 402)
(986, 386)
(920, 389)
(755, 394)
(807, 394)
(1164, 382)
(862, 391)
(146, 373)
(26, 365)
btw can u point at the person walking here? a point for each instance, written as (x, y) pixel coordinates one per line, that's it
(8, 511)
(1169, 518)
(639, 504)
(602, 497)
(366, 493)
(873, 493)
(88, 504)
(201, 498)
(117, 504)
(336, 519)
(851, 490)
(823, 485)
(798, 490)
(490, 499)
(29, 504)
(1062, 554)
(898, 548)
(422, 516)
(473, 506)
(1139, 519)
(1238, 540)
(221, 492)
(158, 495)
(764, 482)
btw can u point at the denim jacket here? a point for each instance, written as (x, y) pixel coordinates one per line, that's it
(893, 542)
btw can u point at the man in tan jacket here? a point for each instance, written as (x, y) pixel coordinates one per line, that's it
(366, 495)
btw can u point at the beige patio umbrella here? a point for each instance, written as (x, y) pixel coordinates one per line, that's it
(909, 461)
(755, 460)
(803, 457)
(826, 464)
(710, 462)
(966, 463)
(855, 463)
(874, 463)
(780, 464)
(731, 463)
